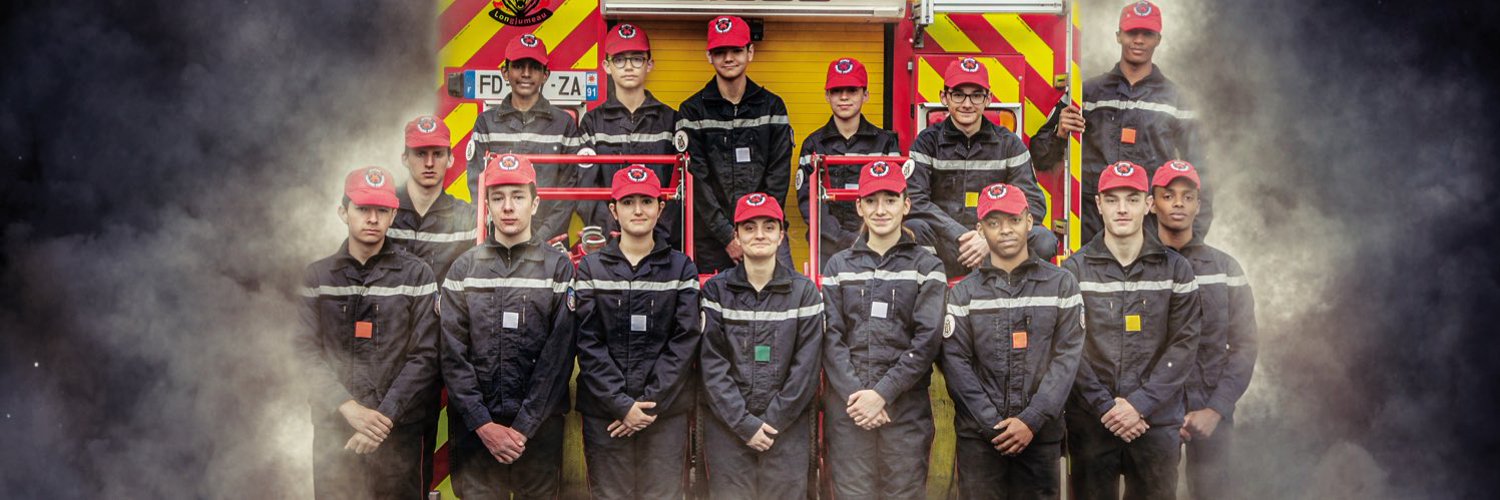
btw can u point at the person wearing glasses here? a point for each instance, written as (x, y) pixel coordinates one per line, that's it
(631, 121)
(956, 159)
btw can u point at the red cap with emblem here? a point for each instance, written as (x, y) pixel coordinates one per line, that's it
(966, 70)
(1173, 170)
(635, 179)
(1003, 197)
(1141, 15)
(526, 46)
(427, 131)
(371, 186)
(626, 38)
(878, 176)
(728, 31)
(1123, 174)
(846, 72)
(755, 205)
(509, 169)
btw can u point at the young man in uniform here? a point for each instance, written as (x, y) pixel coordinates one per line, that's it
(1011, 345)
(1133, 113)
(740, 140)
(638, 332)
(762, 334)
(431, 225)
(957, 158)
(526, 123)
(1226, 345)
(369, 350)
(631, 122)
(508, 347)
(1142, 322)
(847, 133)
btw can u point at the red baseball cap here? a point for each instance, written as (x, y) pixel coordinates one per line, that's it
(1141, 15)
(1123, 174)
(878, 176)
(1173, 170)
(635, 179)
(626, 38)
(728, 31)
(371, 186)
(966, 70)
(427, 131)
(526, 46)
(1003, 197)
(846, 72)
(508, 169)
(755, 205)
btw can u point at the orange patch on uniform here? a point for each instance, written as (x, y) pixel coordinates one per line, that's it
(1127, 135)
(1018, 340)
(363, 329)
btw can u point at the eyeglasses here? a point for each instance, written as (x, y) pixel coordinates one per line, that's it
(628, 61)
(976, 98)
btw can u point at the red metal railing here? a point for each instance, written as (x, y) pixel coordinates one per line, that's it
(679, 188)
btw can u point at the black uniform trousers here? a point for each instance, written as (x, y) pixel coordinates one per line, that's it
(889, 462)
(985, 473)
(1149, 463)
(735, 471)
(651, 464)
(537, 474)
(392, 471)
(1208, 469)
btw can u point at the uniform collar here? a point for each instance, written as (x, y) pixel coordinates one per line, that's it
(612, 252)
(528, 250)
(862, 244)
(1028, 269)
(614, 106)
(443, 202)
(1155, 75)
(866, 129)
(385, 258)
(781, 279)
(1096, 249)
(711, 91)
(987, 131)
(542, 108)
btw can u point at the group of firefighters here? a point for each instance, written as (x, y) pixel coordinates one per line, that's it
(1142, 341)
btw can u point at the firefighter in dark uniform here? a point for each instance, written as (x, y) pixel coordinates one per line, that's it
(847, 133)
(1133, 113)
(762, 335)
(638, 332)
(526, 123)
(1141, 305)
(1011, 345)
(740, 140)
(884, 303)
(369, 351)
(1226, 345)
(431, 225)
(631, 122)
(957, 158)
(508, 348)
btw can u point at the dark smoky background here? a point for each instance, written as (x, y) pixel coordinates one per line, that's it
(169, 167)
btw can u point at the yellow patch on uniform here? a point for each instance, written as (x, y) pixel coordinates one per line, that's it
(971, 199)
(1132, 323)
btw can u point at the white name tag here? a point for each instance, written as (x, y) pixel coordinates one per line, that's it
(510, 320)
(637, 322)
(878, 309)
(742, 155)
(851, 186)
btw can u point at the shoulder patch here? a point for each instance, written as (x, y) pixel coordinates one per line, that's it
(948, 326)
(907, 168)
(680, 141)
(801, 176)
(572, 299)
(469, 150)
(586, 152)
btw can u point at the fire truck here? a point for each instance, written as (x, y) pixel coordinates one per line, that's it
(1028, 46)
